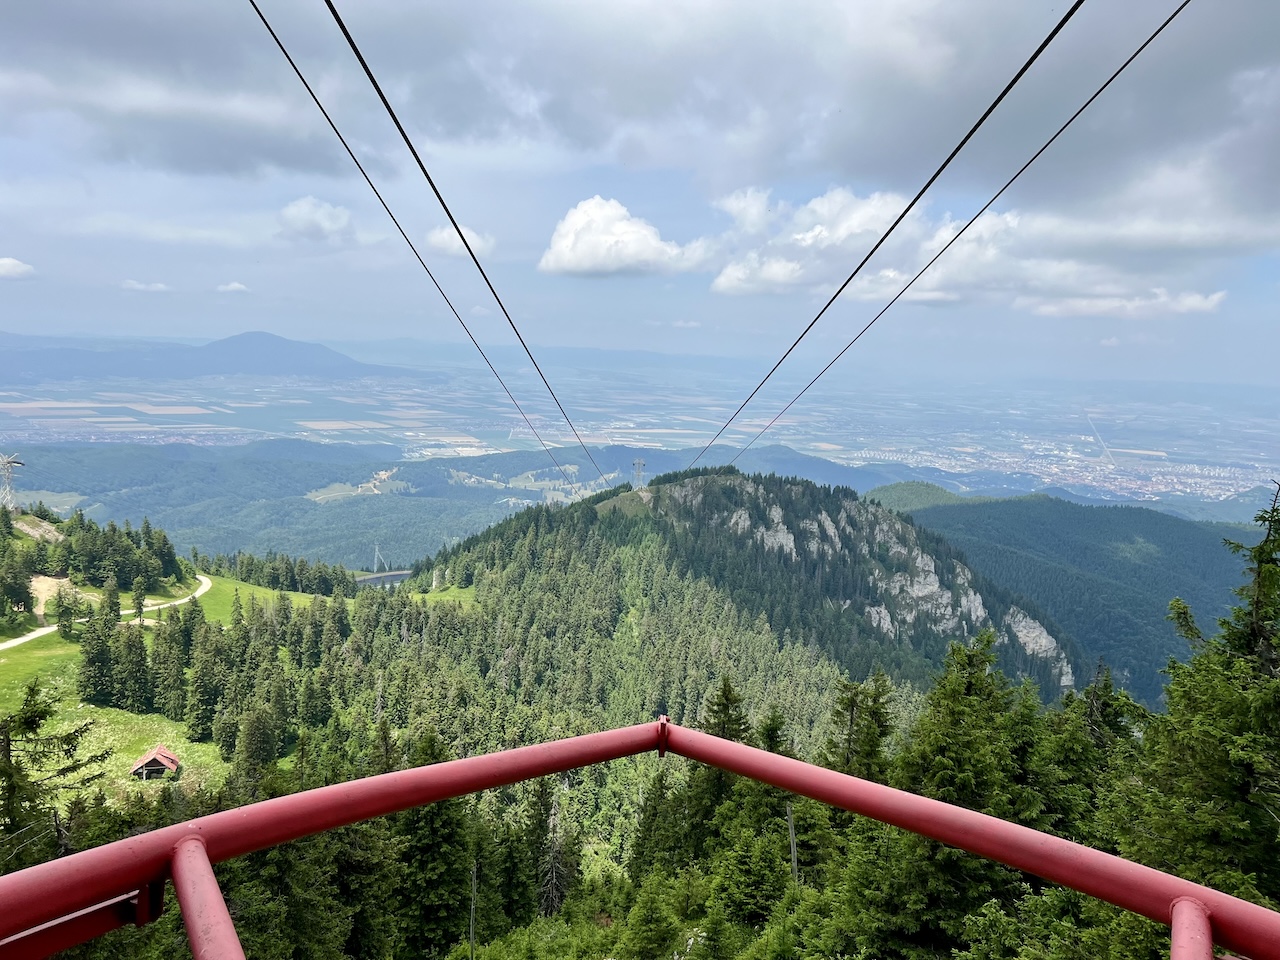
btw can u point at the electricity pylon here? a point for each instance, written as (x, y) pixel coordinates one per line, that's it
(7, 462)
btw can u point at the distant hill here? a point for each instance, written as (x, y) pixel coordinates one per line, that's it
(253, 496)
(36, 359)
(1105, 574)
(913, 495)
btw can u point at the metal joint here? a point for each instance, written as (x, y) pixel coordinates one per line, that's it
(662, 735)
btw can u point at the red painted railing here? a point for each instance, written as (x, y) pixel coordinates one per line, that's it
(64, 902)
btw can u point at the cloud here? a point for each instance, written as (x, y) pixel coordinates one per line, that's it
(601, 236)
(1158, 303)
(1118, 263)
(309, 219)
(750, 208)
(144, 287)
(840, 216)
(757, 274)
(11, 269)
(235, 286)
(1109, 342)
(445, 240)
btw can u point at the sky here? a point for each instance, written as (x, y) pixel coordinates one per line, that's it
(688, 178)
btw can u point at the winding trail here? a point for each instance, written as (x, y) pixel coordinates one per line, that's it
(205, 585)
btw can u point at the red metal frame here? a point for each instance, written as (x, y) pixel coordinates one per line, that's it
(64, 902)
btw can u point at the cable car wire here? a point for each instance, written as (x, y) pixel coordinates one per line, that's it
(902, 216)
(1021, 170)
(417, 256)
(355, 49)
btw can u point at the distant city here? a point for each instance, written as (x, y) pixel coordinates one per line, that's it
(1126, 440)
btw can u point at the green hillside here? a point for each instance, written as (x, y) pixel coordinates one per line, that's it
(912, 495)
(1105, 574)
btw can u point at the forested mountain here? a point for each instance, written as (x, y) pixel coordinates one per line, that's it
(822, 567)
(1104, 574)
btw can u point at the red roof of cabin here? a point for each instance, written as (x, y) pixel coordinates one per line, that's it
(161, 753)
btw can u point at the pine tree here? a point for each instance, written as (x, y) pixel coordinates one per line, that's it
(132, 682)
(860, 726)
(960, 751)
(169, 670)
(96, 684)
(726, 717)
(139, 596)
(257, 747)
(651, 930)
(28, 752)
(656, 847)
(206, 687)
(109, 606)
(437, 887)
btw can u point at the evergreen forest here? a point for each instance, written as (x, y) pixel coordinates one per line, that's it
(681, 599)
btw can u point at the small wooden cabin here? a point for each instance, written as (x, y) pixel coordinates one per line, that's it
(156, 764)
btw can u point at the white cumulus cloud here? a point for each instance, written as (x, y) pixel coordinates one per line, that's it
(310, 219)
(235, 286)
(757, 274)
(751, 209)
(12, 269)
(601, 236)
(445, 240)
(144, 287)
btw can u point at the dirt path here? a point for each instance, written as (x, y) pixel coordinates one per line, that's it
(42, 589)
(205, 585)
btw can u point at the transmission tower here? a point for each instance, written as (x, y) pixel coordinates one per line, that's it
(377, 559)
(7, 463)
(637, 467)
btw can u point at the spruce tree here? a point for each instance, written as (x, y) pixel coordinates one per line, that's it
(34, 765)
(860, 726)
(96, 684)
(651, 930)
(168, 667)
(206, 687)
(131, 672)
(109, 606)
(959, 751)
(437, 887)
(139, 596)
(725, 716)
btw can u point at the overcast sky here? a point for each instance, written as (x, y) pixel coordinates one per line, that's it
(689, 177)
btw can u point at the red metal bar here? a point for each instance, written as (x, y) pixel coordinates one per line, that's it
(51, 890)
(204, 912)
(1237, 924)
(1192, 936)
(68, 931)
(138, 908)
(86, 881)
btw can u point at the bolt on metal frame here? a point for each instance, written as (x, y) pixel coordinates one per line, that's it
(64, 902)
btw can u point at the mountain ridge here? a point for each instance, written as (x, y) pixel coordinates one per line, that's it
(819, 564)
(253, 353)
